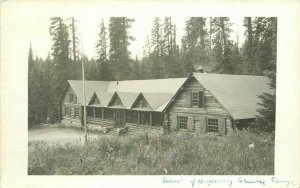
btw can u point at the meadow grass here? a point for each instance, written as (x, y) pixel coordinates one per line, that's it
(144, 154)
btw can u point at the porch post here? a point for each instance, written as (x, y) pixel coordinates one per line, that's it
(114, 117)
(125, 114)
(102, 112)
(151, 123)
(139, 118)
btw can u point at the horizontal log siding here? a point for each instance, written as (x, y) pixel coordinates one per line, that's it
(100, 121)
(138, 128)
(196, 116)
(72, 110)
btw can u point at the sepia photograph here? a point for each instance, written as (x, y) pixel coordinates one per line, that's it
(191, 96)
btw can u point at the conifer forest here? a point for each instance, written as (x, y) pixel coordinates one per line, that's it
(207, 41)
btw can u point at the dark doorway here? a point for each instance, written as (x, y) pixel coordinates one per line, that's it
(119, 118)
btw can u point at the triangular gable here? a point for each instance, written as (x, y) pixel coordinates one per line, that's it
(104, 97)
(128, 98)
(141, 103)
(95, 100)
(157, 100)
(238, 94)
(116, 101)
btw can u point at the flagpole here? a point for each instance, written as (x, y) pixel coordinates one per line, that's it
(83, 95)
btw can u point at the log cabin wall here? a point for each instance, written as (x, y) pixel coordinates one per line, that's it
(70, 105)
(185, 116)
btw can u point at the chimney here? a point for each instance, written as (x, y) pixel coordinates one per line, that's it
(200, 69)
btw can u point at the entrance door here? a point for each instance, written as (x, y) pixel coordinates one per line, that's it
(119, 118)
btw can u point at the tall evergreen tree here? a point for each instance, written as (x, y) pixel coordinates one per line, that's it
(194, 44)
(222, 45)
(103, 66)
(31, 90)
(59, 73)
(266, 118)
(248, 50)
(75, 49)
(119, 55)
(265, 42)
(156, 62)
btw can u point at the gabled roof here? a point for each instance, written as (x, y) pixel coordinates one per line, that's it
(138, 103)
(158, 91)
(90, 87)
(113, 99)
(237, 93)
(104, 97)
(157, 100)
(128, 98)
(94, 101)
(169, 85)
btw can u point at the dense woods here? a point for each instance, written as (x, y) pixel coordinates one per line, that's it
(206, 42)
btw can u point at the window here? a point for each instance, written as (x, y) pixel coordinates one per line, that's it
(77, 110)
(70, 97)
(197, 99)
(212, 125)
(98, 112)
(182, 122)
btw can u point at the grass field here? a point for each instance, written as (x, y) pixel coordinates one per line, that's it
(143, 154)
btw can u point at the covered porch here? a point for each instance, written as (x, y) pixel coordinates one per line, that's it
(119, 117)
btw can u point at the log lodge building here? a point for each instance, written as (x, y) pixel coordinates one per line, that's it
(201, 103)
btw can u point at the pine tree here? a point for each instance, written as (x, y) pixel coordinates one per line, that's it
(155, 58)
(222, 45)
(31, 90)
(265, 121)
(194, 44)
(119, 55)
(60, 71)
(248, 46)
(74, 49)
(265, 38)
(103, 66)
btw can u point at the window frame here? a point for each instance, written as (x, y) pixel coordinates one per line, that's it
(182, 122)
(213, 125)
(195, 100)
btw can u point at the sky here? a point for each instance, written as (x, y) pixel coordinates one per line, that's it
(88, 29)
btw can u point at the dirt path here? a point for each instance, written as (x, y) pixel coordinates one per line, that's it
(62, 136)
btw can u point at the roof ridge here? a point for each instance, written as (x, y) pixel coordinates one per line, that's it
(248, 75)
